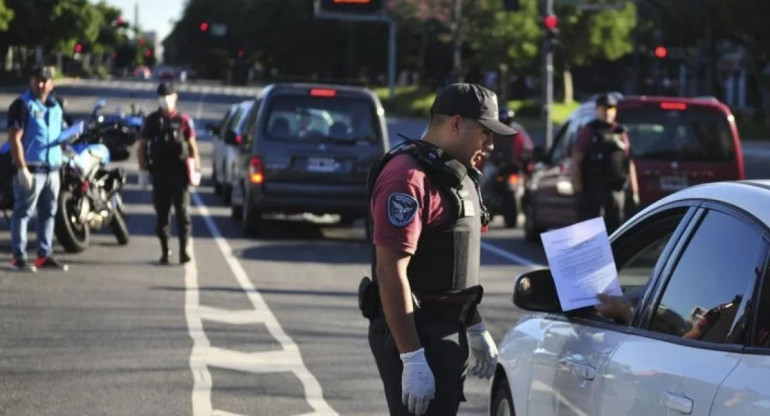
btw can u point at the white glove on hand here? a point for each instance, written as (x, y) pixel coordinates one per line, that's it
(483, 349)
(26, 179)
(143, 179)
(418, 387)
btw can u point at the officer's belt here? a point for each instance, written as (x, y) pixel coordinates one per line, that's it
(450, 308)
(42, 168)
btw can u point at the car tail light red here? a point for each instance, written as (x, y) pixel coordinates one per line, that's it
(513, 180)
(238, 139)
(256, 175)
(323, 92)
(673, 106)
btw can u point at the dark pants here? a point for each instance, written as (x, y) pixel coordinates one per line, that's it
(598, 200)
(446, 349)
(166, 192)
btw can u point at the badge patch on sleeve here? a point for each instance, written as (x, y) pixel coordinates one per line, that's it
(401, 209)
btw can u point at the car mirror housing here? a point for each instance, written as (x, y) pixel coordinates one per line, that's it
(535, 291)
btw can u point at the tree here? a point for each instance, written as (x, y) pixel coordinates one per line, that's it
(586, 36)
(6, 15)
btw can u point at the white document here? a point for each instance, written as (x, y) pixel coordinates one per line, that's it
(74, 131)
(581, 263)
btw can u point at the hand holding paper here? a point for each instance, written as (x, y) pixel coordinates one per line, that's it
(581, 263)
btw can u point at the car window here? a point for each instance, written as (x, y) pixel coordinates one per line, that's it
(694, 133)
(706, 295)
(223, 124)
(250, 122)
(762, 331)
(557, 152)
(233, 121)
(306, 118)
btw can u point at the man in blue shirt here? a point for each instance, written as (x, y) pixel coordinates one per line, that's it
(34, 124)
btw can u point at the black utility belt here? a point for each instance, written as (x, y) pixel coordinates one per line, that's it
(42, 168)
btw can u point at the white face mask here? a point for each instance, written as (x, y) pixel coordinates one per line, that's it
(167, 103)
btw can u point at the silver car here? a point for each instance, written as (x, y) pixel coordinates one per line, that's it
(696, 338)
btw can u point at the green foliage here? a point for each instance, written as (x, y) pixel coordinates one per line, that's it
(6, 15)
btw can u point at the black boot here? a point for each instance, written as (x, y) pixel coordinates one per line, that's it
(184, 255)
(165, 252)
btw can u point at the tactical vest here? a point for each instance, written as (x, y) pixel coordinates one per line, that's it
(41, 131)
(606, 161)
(447, 257)
(167, 149)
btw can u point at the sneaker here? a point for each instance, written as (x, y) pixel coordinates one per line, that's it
(21, 265)
(49, 263)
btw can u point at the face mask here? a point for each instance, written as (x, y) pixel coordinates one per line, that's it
(166, 103)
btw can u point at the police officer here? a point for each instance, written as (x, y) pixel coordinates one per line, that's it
(604, 172)
(427, 220)
(35, 121)
(166, 142)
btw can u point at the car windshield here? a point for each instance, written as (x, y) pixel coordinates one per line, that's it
(691, 134)
(321, 119)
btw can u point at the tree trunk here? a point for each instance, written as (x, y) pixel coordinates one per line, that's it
(569, 93)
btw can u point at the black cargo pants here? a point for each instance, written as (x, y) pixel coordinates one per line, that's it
(168, 190)
(598, 200)
(447, 352)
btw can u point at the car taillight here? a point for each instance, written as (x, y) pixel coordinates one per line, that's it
(256, 175)
(513, 180)
(323, 92)
(238, 139)
(673, 106)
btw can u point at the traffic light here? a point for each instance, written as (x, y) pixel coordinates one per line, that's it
(551, 25)
(148, 53)
(661, 52)
(511, 5)
(241, 53)
(142, 41)
(204, 26)
(78, 48)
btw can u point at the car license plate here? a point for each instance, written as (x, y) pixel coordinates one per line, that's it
(673, 183)
(322, 164)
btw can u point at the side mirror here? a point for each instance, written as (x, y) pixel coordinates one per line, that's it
(232, 139)
(535, 291)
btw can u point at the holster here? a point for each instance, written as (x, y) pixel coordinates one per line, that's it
(369, 298)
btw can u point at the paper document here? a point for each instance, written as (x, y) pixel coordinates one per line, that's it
(581, 263)
(72, 132)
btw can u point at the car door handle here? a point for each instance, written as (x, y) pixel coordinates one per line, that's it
(677, 402)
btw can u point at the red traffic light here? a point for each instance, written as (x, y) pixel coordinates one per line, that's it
(204, 26)
(551, 22)
(119, 21)
(241, 53)
(78, 48)
(148, 53)
(661, 52)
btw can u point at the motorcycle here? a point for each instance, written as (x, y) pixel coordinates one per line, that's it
(89, 198)
(117, 131)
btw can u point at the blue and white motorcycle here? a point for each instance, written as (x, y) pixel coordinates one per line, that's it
(89, 198)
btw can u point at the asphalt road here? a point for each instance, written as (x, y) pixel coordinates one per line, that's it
(264, 326)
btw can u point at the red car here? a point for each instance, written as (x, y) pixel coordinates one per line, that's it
(675, 143)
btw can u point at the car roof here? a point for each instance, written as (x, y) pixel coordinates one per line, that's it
(751, 196)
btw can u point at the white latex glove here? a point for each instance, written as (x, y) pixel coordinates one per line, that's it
(483, 349)
(418, 387)
(143, 179)
(25, 178)
(636, 199)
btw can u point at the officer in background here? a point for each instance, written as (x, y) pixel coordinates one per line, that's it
(167, 140)
(427, 221)
(603, 171)
(35, 122)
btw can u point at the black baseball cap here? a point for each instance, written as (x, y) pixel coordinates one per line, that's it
(606, 100)
(166, 88)
(474, 102)
(43, 72)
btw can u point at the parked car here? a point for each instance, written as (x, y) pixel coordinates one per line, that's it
(675, 142)
(307, 149)
(227, 137)
(694, 268)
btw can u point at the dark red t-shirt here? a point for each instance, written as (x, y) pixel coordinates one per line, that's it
(403, 202)
(152, 124)
(586, 135)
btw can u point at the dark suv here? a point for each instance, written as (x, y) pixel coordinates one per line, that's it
(307, 149)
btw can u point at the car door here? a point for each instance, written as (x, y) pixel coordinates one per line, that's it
(746, 391)
(554, 201)
(691, 333)
(574, 350)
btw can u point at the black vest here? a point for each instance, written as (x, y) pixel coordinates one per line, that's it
(606, 162)
(167, 147)
(447, 257)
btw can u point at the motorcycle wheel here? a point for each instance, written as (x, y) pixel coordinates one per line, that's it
(72, 236)
(119, 228)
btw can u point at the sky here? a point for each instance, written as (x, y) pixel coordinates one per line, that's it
(154, 15)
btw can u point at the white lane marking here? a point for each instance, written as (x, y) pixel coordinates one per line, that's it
(287, 359)
(201, 394)
(509, 256)
(199, 110)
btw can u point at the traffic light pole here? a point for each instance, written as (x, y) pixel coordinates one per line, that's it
(548, 80)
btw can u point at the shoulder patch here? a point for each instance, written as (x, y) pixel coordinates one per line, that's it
(401, 209)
